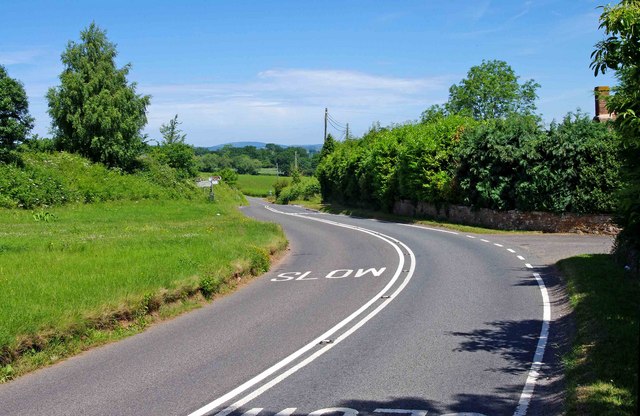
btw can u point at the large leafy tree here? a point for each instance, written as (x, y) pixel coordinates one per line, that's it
(620, 52)
(174, 151)
(95, 111)
(15, 121)
(491, 90)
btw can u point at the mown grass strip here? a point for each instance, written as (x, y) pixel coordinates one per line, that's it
(70, 271)
(602, 366)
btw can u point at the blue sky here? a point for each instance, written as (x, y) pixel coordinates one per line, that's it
(265, 70)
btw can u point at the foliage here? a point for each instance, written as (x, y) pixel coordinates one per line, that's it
(229, 176)
(515, 164)
(51, 179)
(428, 160)
(15, 121)
(578, 169)
(620, 52)
(251, 160)
(305, 189)
(328, 146)
(171, 133)
(602, 366)
(279, 185)
(491, 90)
(494, 158)
(95, 112)
(502, 164)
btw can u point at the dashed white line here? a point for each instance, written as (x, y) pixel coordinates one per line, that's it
(510, 250)
(498, 245)
(484, 241)
(470, 236)
(528, 266)
(520, 258)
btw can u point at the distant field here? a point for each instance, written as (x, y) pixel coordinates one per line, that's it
(268, 171)
(257, 185)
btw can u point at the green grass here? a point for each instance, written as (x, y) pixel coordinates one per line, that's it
(257, 185)
(66, 272)
(602, 367)
(268, 171)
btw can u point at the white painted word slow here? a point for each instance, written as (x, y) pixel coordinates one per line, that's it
(346, 411)
(334, 274)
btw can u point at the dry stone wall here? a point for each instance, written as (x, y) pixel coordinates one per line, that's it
(511, 220)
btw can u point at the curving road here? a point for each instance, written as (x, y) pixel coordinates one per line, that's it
(361, 317)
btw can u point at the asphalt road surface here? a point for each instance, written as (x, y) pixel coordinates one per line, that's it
(361, 317)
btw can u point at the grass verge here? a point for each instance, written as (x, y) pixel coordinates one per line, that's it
(81, 275)
(602, 366)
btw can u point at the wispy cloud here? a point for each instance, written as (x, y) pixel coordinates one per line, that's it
(287, 100)
(19, 57)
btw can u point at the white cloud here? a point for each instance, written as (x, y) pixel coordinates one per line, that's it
(19, 57)
(288, 104)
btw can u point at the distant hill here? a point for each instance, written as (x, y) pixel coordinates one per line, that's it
(262, 145)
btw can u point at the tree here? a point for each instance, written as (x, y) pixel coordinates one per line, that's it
(328, 146)
(171, 133)
(95, 112)
(15, 121)
(620, 52)
(491, 90)
(175, 152)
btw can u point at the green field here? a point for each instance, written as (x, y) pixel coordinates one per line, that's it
(66, 271)
(258, 185)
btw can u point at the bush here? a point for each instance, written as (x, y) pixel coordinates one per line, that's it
(58, 178)
(305, 189)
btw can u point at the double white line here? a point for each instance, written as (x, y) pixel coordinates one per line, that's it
(280, 371)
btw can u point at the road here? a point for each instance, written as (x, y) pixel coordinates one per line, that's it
(361, 317)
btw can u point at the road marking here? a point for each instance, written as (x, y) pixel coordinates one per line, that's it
(536, 365)
(403, 412)
(534, 372)
(431, 229)
(313, 344)
(498, 245)
(484, 241)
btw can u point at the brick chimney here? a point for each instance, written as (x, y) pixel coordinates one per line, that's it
(602, 114)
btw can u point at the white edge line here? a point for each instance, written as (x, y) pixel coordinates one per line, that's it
(534, 372)
(431, 229)
(271, 370)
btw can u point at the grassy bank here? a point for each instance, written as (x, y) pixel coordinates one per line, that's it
(69, 272)
(602, 367)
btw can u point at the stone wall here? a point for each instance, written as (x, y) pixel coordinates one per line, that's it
(511, 220)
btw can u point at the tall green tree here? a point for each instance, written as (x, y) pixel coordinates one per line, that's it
(620, 52)
(15, 121)
(328, 146)
(95, 111)
(491, 90)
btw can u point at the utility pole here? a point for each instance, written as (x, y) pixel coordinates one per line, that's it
(347, 131)
(295, 160)
(326, 116)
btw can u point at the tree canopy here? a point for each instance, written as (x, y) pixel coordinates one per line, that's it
(620, 52)
(491, 90)
(15, 121)
(95, 111)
